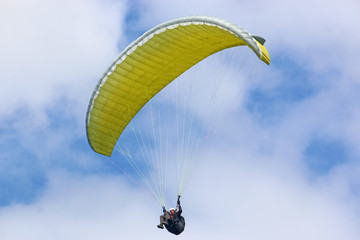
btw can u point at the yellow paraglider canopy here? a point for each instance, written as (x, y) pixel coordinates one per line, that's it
(149, 64)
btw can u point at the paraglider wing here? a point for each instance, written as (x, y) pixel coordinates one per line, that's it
(149, 64)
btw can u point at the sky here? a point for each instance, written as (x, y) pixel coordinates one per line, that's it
(284, 163)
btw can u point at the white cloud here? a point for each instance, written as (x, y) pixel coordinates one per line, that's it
(52, 54)
(262, 204)
(76, 207)
(245, 196)
(252, 184)
(55, 49)
(308, 30)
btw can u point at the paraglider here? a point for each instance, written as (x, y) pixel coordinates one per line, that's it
(150, 63)
(142, 70)
(173, 221)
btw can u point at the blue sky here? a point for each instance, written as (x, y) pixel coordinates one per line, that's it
(284, 163)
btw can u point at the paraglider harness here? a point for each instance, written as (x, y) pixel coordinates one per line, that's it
(176, 224)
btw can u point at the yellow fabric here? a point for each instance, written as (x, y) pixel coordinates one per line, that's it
(130, 84)
(265, 55)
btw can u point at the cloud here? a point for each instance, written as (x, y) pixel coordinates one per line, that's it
(254, 180)
(76, 206)
(53, 49)
(262, 204)
(52, 55)
(254, 199)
